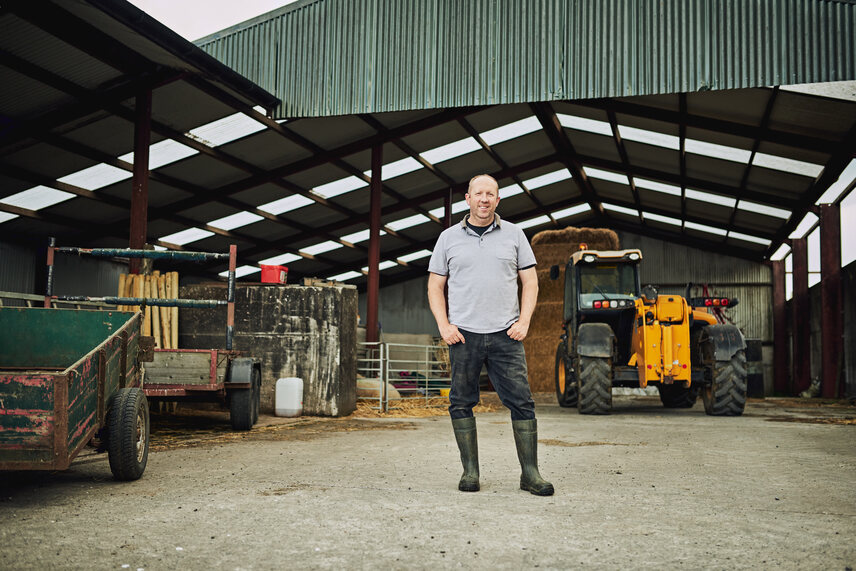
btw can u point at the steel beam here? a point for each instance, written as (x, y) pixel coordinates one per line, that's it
(831, 301)
(800, 318)
(781, 375)
(374, 247)
(140, 180)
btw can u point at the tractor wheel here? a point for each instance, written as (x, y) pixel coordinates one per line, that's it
(676, 396)
(128, 434)
(726, 395)
(566, 384)
(594, 385)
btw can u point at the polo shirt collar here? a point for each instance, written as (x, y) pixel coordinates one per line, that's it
(496, 221)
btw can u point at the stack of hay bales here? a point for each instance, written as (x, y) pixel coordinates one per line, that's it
(554, 247)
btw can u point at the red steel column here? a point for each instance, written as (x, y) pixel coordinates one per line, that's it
(800, 327)
(831, 302)
(140, 185)
(780, 330)
(372, 290)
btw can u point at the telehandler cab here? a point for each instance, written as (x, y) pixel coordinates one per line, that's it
(616, 334)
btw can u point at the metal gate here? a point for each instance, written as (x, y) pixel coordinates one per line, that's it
(392, 373)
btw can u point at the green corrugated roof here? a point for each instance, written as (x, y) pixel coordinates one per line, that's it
(335, 57)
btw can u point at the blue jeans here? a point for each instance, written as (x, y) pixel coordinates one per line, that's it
(506, 366)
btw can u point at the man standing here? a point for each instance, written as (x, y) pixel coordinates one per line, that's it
(480, 259)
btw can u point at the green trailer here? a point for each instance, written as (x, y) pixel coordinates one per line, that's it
(69, 377)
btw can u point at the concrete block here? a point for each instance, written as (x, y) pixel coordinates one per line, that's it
(296, 331)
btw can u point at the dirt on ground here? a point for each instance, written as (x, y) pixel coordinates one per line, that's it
(645, 487)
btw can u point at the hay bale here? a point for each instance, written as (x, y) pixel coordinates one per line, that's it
(540, 360)
(596, 238)
(555, 247)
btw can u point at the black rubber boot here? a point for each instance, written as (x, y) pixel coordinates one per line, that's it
(526, 438)
(465, 434)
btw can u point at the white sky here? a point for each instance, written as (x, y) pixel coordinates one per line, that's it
(194, 19)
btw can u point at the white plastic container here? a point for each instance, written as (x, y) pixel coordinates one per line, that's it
(289, 396)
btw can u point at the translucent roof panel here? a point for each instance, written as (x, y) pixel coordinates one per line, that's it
(534, 221)
(97, 176)
(621, 209)
(360, 236)
(780, 253)
(545, 179)
(280, 259)
(450, 151)
(340, 186)
(186, 236)
(384, 265)
(748, 238)
(763, 209)
(511, 131)
(705, 228)
(286, 204)
(163, 153)
(345, 276)
(836, 189)
(570, 211)
(804, 226)
(592, 172)
(241, 271)
(415, 256)
(6, 216)
(649, 137)
(235, 220)
(316, 249)
(226, 130)
(584, 124)
(661, 218)
(37, 198)
(787, 165)
(403, 223)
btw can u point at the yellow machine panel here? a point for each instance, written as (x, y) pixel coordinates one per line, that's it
(661, 341)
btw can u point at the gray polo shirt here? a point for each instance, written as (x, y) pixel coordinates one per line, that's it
(482, 273)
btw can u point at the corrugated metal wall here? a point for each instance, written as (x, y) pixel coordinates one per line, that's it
(17, 268)
(73, 275)
(335, 57)
(672, 266)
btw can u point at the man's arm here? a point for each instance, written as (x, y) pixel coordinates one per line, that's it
(528, 298)
(437, 301)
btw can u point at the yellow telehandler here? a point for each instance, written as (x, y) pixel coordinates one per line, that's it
(616, 334)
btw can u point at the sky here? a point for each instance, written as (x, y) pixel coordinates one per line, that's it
(194, 19)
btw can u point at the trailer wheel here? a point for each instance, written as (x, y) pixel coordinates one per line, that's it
(128, 434)
(594, 385)
(566, 384)
(726, 395)
(676, 396)
(241, 409)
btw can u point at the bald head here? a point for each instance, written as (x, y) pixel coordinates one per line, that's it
(482, 179)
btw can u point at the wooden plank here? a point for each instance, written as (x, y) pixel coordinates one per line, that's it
(181, 368)
(174, 317)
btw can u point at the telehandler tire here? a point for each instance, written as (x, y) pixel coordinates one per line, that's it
(726, 395)
(566, 384)
(676, 396)
(594, 385)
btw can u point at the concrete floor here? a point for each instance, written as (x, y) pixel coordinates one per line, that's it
(642, 488)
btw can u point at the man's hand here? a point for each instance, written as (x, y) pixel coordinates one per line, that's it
(451, 335)
(518, 330)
